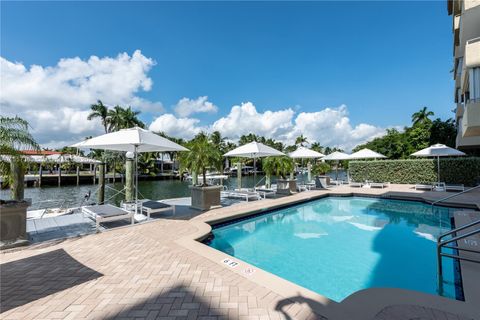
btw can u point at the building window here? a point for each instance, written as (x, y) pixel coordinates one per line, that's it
(474, 84)
(459, 66)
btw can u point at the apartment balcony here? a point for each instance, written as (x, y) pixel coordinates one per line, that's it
(471, 119)
(459, 110)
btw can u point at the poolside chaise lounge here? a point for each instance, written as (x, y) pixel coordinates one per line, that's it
(424, 186)
(247, 195)
(336, 182)
(152, 207)
(106, 213)
(354, 184)
(264, 191)
(454, 187)
(379, 184)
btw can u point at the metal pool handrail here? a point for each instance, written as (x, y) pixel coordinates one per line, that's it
(443, 244)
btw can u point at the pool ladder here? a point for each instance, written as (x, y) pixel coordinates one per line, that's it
(441, 243)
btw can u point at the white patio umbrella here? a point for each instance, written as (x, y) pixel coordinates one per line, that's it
(305, 153)
(438, 150)
(337, 155)
(365, 154)
(134, 140)
(253, 150)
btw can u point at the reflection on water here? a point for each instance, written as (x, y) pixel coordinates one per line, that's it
(336, 246)
(158, 189)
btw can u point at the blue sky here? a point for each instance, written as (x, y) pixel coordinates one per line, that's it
(383, 60)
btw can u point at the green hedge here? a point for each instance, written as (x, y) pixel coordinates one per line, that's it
(452, 170)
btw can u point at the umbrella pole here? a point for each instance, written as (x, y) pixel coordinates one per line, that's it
(438, 169)
(336, 170)
(136, 181)
(254, 172)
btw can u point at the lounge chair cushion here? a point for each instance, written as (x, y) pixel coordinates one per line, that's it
(106, 210)
(155, 205)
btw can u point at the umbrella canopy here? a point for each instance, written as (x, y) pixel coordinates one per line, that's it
(438, 150)
(254, 150)
(133, 140)
(366, 154)
(337, 155)
(305, 153)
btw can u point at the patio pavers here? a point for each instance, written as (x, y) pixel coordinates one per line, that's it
(142, 272)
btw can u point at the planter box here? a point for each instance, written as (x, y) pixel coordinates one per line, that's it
(322, 182)
(204, 198)
(13, 224)
(286, 186)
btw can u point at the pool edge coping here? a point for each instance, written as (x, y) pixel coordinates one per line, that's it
(360, 303)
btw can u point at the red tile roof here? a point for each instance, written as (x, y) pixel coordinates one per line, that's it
(39, 153)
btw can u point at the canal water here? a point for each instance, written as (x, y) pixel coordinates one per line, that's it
(73, 195)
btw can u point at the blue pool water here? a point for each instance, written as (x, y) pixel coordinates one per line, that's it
(338, 245)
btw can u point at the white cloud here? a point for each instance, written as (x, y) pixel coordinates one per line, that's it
(245, 119)
(186, 106)
(329, 127)
(177, 127)
(56, 99)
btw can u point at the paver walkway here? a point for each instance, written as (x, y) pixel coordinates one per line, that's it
(134, 272)
(140, 272)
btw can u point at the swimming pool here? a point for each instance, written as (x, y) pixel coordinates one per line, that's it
(338, 245)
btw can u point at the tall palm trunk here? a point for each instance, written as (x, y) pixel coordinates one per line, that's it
(17, 180)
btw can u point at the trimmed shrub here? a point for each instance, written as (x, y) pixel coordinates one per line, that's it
(452, 170)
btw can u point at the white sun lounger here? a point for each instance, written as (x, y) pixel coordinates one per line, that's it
(152, 207)
(247, 195)
(356, 184)
(454, 187)
(106, 213)
(264, 192)
(379, 184)
(423, 186)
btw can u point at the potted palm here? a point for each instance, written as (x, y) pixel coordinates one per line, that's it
(14, 137)
(320, 170)
(202, 154)
(280, 166)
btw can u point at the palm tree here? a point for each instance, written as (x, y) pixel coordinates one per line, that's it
(115, 118)
(300, 140)
(316, 147)
(99, 110)
(121, 118)
(202, 154)
(14, 137)
(422, 116)
(280, 166)
(130, 119)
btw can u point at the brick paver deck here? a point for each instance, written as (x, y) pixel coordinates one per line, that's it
(142, 272)
(133, 272)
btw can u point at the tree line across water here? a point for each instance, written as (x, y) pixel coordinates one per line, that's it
(207, 149)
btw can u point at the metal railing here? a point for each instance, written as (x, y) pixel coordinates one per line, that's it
(454, 195)
(444, 244)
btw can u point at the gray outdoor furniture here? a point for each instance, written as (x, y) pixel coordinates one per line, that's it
(423, 186)
(264, 192)
(106, 213)
(151, 207)
(454, 187)
(247, 195)
(379, 184)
